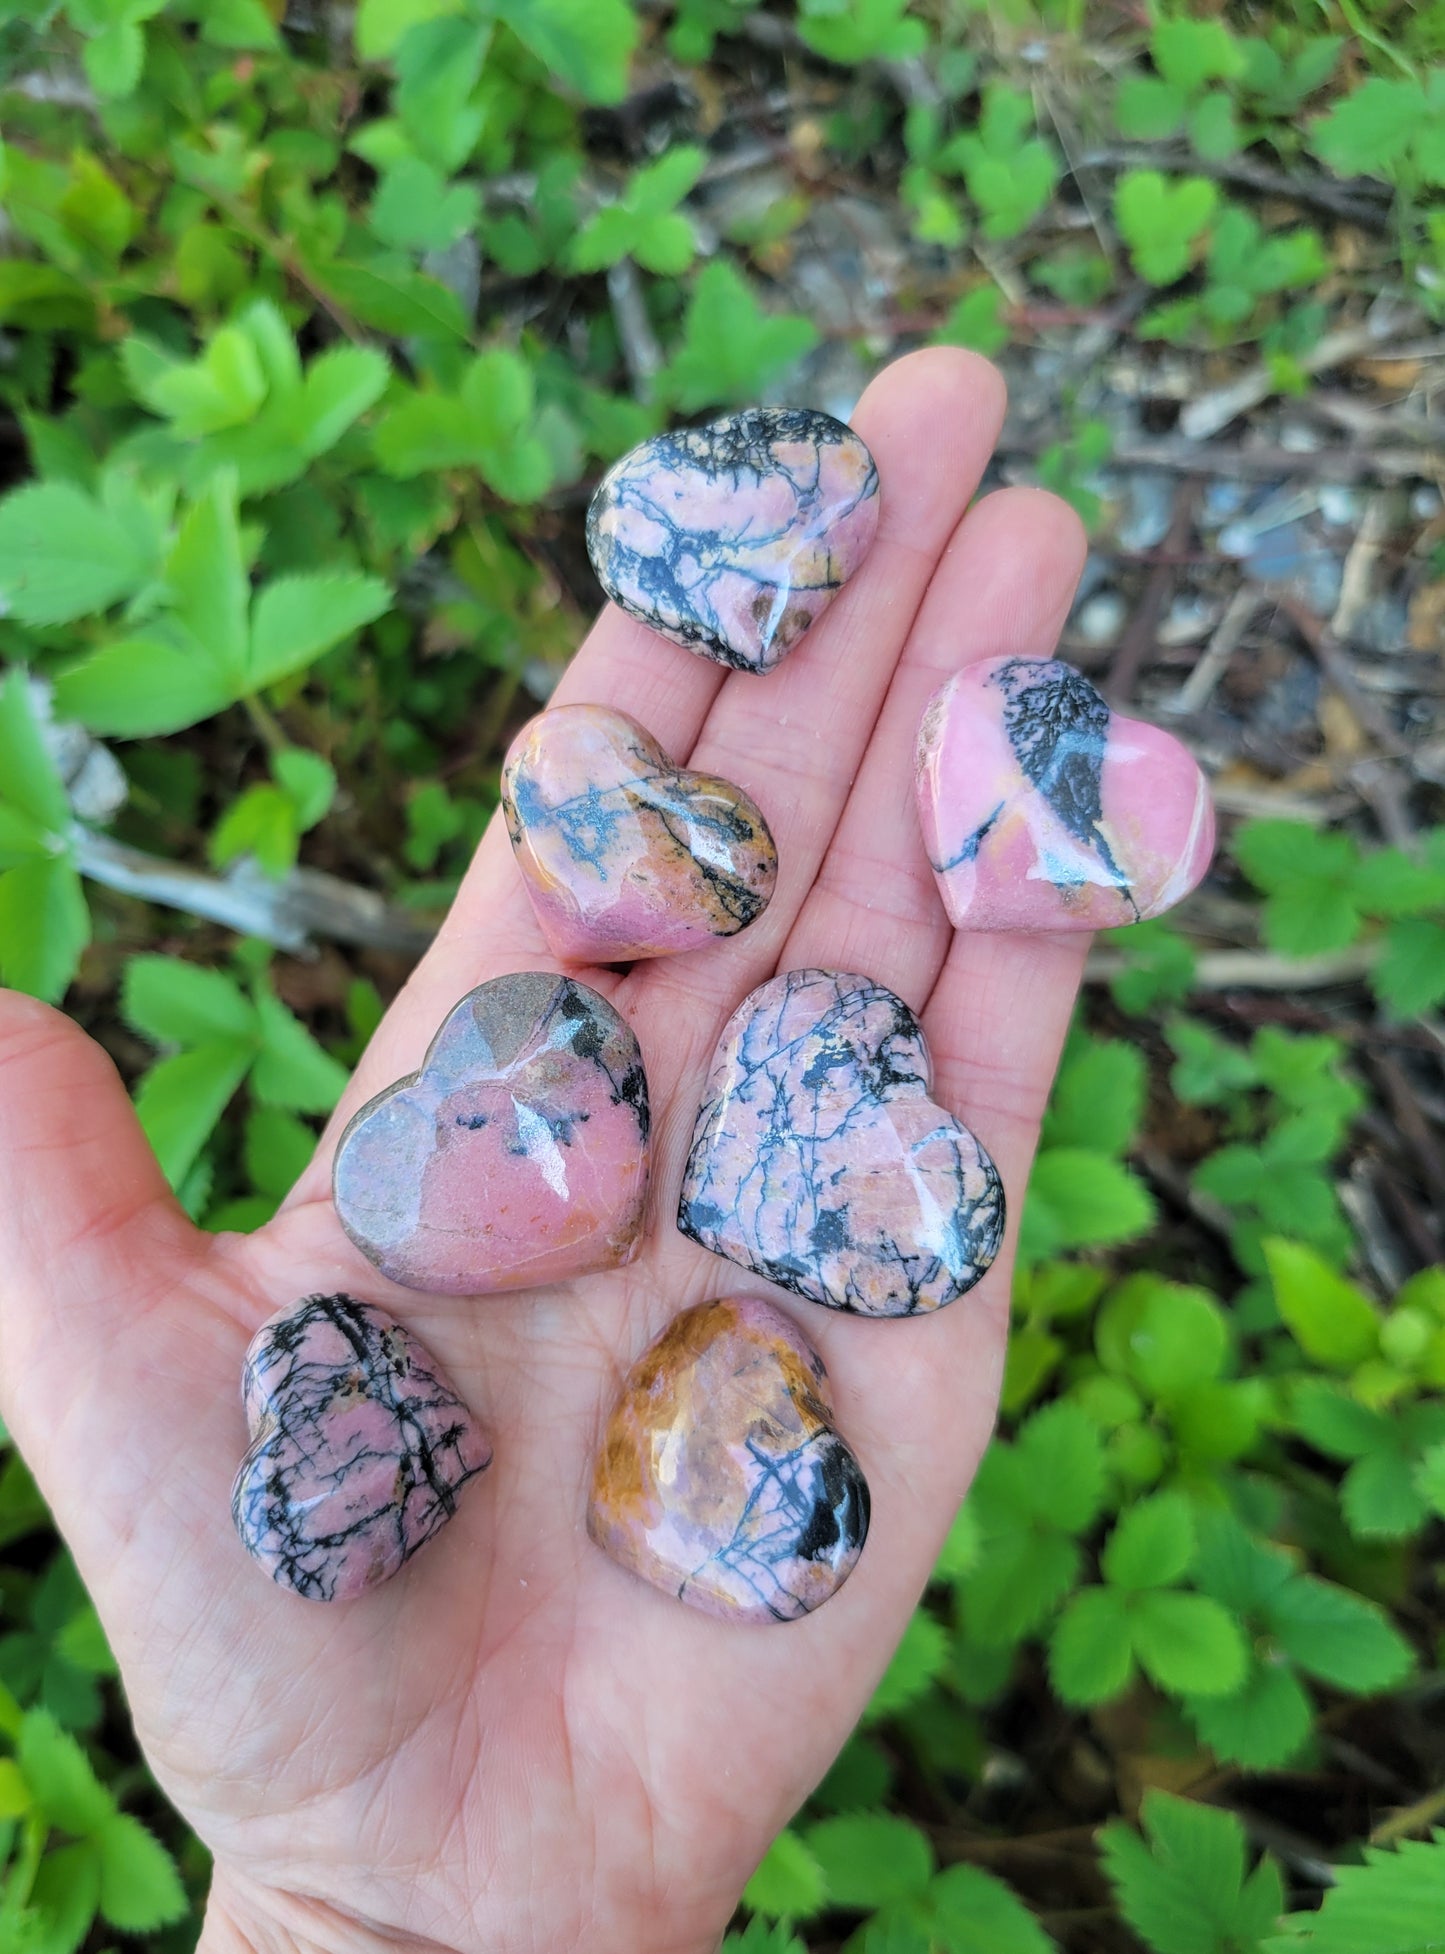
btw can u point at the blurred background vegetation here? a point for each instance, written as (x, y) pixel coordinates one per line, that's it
(317, 326)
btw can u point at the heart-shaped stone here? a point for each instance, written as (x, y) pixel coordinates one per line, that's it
(721, 1478)
(820, 1162)
(359, 1447)
(733, 538)
(1043, 809)
(517, 1155)
(624, 854)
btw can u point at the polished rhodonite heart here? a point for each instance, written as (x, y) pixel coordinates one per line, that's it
(359, 1447)
(721, 1478)
(733, 538)
(820, 1161)
(1042, 809)
(625, 855)
(517, 1155)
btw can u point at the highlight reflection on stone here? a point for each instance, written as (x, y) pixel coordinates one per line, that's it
(733, 538)
(517, 1155)
(359, 1447)
(820, 1162)
(1042, 809)
(625, 855)
(721, 1478)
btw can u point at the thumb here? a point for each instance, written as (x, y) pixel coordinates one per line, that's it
(94, 1256)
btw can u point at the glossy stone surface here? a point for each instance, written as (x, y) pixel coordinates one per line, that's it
(1042, 809)
(733, 538)
(721, 1478)
(517, 1155)
(359, 1447)
(820, 1162)
(625, 855)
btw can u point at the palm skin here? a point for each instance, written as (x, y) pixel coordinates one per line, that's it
(515, 1748)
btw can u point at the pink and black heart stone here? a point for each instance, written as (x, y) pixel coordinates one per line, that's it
(821, 1162)
(359, 1448)
(732, 539)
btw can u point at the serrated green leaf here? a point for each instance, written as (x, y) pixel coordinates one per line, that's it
(870, 1858)
(586, 43)
(1330, 1319)
(1017, 1584)
(1077, 1198)
(1147, 109)
(788, 1884)
(60, 1777)
(918, 1661)
(63, 556)
(1393, 1904)
(1410, 974)
(1262, 1725)
(1187, 1644)
(971, 1912)
(207, 577)
(65, 1895)
(731, 350)
(181, 1099)
(1098, 1096)
(1161, 221)
(1090, 1653)
(292, 1071)
(140, 1888)
(1379, 1496)
(44, 926)
(1164, 1336)
(142, 686)
(1371, 128)
(172, 1002)
(29, 779)
(1059, 1453)
(295, 619)
(1181, 1886)
(1153, 1544)
(1337, 1636)
(339, 387)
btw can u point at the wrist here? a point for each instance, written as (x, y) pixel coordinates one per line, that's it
(244, 1918)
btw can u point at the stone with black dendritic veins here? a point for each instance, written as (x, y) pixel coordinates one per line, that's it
(820, 1162)
(733, 538)
(517, 1155)
(359, 1448)
(1043, 809)
(721, 1478)
(625, 855)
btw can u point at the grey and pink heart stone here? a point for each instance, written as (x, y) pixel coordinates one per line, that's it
(518, 1155)
(359, 1449)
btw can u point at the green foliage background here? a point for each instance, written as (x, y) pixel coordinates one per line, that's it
(294, 490)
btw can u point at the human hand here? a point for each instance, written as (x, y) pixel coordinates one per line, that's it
(515, 1748)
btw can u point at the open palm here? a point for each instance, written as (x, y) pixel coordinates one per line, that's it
(515, 1748)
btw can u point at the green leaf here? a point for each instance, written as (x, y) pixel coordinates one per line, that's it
(870, 1858)
(1090, 1653)
(1098, 1097)
(1337, 1636)
(1017, 1584)
(309, 780)
(394, 300)
(731, 350)
(1379, 1496)
(1189, 53)
(1330, 1319)
(222, 389)
(1337, 1423)
(66, 1892)
(1410, 975)
(1162, 221)
(142, 686)
(417, 209)
(207, 577)
(295, 619)
(1148, 110)
(44, 927)
(29, 780)
(114, 58)
(339, 387)
(261, 823)
(788, 1884)
(1078, 1198)
(63, 556)
(1371, 129)
(586, 43)
(180, 1100)
(1153, 1544)
(1392, 1904)
(172, 1002)
(60, 1778)
(974, 1913)
(277, 1151)
(762, 1937)
(1187, 1644)
(1059, 1453)
(1261, 1726)
(292, 1070)
(852, 31)
(82, 1643)
(918, 1661)
(140, 1888)
(1182, 1887)
(380, 24)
